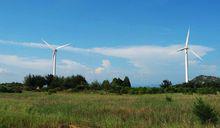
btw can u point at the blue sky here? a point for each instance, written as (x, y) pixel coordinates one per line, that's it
(109, 38)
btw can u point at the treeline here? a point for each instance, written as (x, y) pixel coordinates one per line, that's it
(11, 87)
(75, 83)
(78, 83)
(187, 88)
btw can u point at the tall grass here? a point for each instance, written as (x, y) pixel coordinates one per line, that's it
(40, 110)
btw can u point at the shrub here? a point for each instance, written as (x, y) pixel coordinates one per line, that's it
(205, 112)
(51, 91)
(32, 82)
(11, 87)
(169, 99)
(206, 90)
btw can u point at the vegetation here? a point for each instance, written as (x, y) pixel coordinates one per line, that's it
(63, 101)
(169, 99)
(40, 110)
(205, 112)
(201, 84)
(75, 84)
(11, 87)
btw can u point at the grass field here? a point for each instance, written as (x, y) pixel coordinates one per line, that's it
(40, 110)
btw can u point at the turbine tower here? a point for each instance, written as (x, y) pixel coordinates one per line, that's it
(54, 54)
(186, 50)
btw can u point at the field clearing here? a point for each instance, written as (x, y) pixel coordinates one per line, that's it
(40, 110)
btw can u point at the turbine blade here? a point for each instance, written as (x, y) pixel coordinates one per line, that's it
(62, 46)
(51, 47)
(181, 49)
(196, 54)
(187, 38)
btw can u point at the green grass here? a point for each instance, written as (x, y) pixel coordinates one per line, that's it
(40, 110)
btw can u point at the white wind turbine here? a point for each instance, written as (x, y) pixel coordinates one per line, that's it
(186, 49)
(54, 49)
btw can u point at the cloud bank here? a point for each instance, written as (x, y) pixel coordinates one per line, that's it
(145, 61)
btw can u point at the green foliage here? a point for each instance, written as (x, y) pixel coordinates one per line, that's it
(166, 84)
(37, 110)
(48, 79)
(126, 82)
(95, 85)
(206, 90)
(80, 80)
(51, 91)
(11, 87)
(77, 83)
(169, 99)
(106, 85)
(56, 82)
(205, 112)
(32, 82)
(120, 86)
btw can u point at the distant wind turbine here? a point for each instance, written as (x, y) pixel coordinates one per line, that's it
(54, 49)
(186, 49)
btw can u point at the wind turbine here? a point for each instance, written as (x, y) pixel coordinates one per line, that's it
(54, 54)
(186, 50)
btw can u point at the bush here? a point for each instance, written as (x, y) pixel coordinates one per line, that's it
(169, 99)
(51, 91)
(32, 82)
(204, 112)
(11, 87)
(206, 91)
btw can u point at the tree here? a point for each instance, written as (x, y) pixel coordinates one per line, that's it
(49, 79)
(70, 82)
(39, 81)
(34, 81)
(117, 86)
(126, 82)
(166, 84)
(95, 85)
(57, 82)
(106, 85)
(28, 82)
(80, 80)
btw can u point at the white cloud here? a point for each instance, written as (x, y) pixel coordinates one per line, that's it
(105, 64)
(24, 62)
(42, 66)
(26, 44)
(137, 55)
(42, 45)
(99, 70)
(148, 57)
(149, 61)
